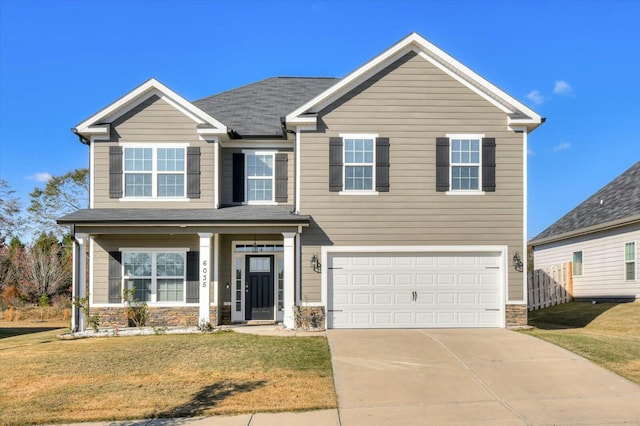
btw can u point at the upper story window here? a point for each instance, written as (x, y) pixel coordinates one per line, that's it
(630, 261)
(260, 176)
(151, 172)
(358, 164)
(465, 164)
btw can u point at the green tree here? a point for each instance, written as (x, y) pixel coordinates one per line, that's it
(61, 195)
(11, 221)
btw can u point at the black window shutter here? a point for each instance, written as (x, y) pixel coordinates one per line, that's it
(382, 164)
(442, 164)
(238, 177)
(115, 172)
(489, 164)
(193, 289)
(335, 164)
(282, 164)
(115, 277)
(193, 172)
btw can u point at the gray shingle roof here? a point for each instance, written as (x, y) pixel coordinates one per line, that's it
(239, 214)
(255, 109)
(618, 200)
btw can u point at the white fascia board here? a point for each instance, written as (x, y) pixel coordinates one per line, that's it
(141, 93)
(436, 56)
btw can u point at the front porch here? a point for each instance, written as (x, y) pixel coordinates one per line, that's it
(227, 269)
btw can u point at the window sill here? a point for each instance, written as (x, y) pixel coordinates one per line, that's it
(153, 199)
(465, 192)
(260, 203)
(358, 193)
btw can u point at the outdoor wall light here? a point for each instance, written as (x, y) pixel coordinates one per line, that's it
(517, 262)
(315, 263)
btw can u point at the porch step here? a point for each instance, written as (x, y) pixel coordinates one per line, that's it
(261, 322)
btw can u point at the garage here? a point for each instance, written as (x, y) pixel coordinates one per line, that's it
(414, 289)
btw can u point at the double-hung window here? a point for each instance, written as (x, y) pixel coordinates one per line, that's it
(158, 277)
(154, 172)
(260, 176)
(359, 162)
(630, 261)
(465, 163)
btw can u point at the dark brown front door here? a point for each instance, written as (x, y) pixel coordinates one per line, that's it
(259, 292)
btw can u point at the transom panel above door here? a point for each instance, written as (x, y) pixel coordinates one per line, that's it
(406, 290)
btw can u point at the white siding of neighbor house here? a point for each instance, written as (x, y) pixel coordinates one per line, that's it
(603, 265)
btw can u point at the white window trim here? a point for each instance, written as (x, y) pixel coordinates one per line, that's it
(154, 278)
(154, 171)
(478, 191)
(371, 191)
(239, 315)
(634, 261)
(248, 152)
(581, 263)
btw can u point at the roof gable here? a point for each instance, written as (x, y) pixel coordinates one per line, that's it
(615, 204)
(519, 115)
(98, 124)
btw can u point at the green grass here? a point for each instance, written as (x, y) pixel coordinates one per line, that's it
(605, 333)
(47, 380)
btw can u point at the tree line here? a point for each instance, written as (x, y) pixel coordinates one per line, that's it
(36, 271)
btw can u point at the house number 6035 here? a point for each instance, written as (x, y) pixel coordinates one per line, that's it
(204, 273)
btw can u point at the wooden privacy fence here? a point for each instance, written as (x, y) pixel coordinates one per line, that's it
(550, 286)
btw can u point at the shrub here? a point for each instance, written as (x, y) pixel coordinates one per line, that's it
(11, 296)
(43, 301)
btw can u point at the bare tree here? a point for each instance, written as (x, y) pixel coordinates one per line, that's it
(46, 272)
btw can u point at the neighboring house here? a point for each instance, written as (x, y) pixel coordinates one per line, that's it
(393, 197)
(602, 238)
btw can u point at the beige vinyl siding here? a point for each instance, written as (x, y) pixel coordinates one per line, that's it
(226, 171)
(412, 103)
(603, 265)
(101, 246)
(154, 121)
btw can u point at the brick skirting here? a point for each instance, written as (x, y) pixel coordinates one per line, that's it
(516, 315)
(186, 316)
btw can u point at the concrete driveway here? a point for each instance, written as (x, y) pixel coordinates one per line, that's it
(484, 377)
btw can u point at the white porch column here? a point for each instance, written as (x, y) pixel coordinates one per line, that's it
(289, 278)
(205, 277)
(79, 281)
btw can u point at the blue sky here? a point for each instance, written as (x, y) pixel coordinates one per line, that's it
(577, 63)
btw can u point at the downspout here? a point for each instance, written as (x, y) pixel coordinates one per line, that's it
(295, 169)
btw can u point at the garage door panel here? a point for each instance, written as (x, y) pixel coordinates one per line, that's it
(425, 298)
(403, 319)
(468, 299)
(382, 299)
(374, 290)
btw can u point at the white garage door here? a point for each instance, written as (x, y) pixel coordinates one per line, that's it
(391, 290)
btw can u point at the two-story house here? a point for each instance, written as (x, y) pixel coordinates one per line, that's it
(393, 197)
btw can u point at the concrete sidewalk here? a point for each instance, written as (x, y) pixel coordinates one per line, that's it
(319, 418)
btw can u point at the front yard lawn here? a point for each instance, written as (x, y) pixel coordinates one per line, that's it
(605, 333)
(46, 380)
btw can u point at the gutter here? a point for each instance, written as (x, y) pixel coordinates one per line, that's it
(83, 140)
